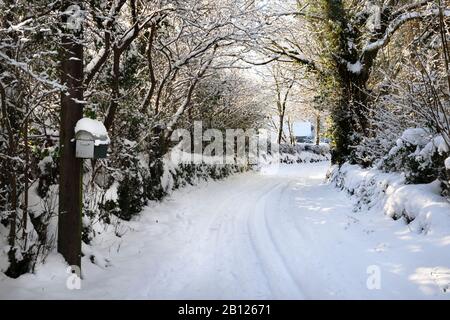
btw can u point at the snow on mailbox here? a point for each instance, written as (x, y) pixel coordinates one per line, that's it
(91, 139)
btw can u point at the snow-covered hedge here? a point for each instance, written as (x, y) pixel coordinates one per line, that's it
(301, 153)
(181, 169)
(141, 181)
(419, 205)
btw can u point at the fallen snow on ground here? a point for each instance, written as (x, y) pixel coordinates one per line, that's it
(280, 233)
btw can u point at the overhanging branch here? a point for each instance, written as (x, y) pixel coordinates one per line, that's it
(396, 24)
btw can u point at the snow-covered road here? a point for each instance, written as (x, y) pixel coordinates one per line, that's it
(277, 234)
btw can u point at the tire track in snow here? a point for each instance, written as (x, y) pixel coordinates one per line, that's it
(283, 284)
(213, 247)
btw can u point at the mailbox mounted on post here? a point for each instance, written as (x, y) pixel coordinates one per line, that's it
(91, 139)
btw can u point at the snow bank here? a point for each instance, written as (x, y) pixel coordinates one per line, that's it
(419, 205)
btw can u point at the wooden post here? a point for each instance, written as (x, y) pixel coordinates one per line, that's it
(70, 184)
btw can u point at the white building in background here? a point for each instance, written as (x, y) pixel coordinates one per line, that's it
(302, 131)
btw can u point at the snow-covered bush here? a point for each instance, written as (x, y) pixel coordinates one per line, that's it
(36, 227)
(130, 175)
(419, 155)
(419, 205)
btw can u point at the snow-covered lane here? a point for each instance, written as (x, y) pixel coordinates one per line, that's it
(282, 233)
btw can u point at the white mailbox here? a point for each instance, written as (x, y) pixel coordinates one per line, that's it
(91, 139)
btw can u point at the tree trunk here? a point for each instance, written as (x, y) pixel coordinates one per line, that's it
(145, 105)
(70, 184)
(350, 115)
(13, 209)
(27, 182)
(9, 121)
(115, 87)
(280, 127)
(317, 129)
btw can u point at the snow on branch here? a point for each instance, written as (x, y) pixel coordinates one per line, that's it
(409, 7)
(100, 58)
(125, 40)
(294, 55)
(182, 108)
(25, 68)
(397, 23)
(135, 29)
(19, 26)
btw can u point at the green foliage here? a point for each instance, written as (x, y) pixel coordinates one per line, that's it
(131, 196)
(333, 46)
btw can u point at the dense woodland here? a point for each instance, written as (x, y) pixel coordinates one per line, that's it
(363, 71)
